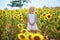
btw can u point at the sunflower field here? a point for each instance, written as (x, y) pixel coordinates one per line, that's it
(13, 24)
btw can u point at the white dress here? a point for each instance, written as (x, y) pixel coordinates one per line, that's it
(31, 18)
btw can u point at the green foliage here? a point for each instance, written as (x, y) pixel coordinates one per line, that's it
(9, 19)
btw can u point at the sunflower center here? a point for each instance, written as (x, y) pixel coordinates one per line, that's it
(24, 31)
(48, 16)
(22, 36)
(14, 16)
(30, 37)
(4, 12)
(20, 17)
(35, 12)
(44, 14)
(19, 25)
(36, 38)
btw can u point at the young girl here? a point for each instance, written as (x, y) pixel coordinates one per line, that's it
(31, 25)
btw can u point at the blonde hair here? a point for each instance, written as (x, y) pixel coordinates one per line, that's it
(31, 8)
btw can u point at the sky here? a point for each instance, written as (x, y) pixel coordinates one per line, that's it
(36, 3)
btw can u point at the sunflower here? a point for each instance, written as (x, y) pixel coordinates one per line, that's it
(58, 16)
(20, 17)
(21, 20)
(14, 17)
(1, 16)
(44, 15)
(36, 12)
(49, 16)
(44, 10)
(21, 36)
(24, 31)
(29, 36)
(38, 36)
(19, 26)
(50, 11)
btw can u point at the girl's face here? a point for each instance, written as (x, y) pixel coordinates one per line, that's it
(31, 10)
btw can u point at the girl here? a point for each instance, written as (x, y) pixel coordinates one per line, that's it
(31, 25)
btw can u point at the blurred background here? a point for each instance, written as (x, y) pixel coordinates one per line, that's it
(27, 3)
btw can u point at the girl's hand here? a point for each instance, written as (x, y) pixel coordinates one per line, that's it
(32, 24)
